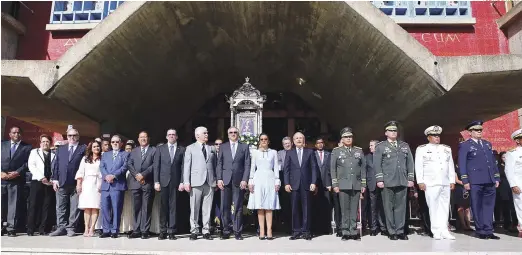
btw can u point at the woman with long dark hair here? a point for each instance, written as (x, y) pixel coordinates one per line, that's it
(504, 201)
(88, 184)
(264, 185)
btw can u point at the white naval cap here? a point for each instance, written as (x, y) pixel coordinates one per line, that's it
(433, 130)
(517, 134)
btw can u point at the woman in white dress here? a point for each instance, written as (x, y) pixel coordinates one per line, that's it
(88, 185)
(264, 185)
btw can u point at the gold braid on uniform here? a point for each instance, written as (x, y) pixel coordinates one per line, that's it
(497, 175)
(464, 176)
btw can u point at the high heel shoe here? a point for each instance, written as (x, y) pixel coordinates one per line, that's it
(270, 238)
(262, 238)
(91, 232)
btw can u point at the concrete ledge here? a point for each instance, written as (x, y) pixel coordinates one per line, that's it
(64, 27)
(508, 18)
(434, 21)
(41, 72)
(8, 20)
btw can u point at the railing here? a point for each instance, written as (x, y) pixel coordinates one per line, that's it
(74, 12)
(413, 9)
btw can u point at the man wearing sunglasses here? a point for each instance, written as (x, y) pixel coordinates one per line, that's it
(435, 172)
(393, 163)
(233, 172)
(480, 175)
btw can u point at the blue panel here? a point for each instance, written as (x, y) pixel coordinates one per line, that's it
(387, 11)
(59, 6)
(77, 6)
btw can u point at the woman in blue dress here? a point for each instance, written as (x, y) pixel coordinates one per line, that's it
(264, 185)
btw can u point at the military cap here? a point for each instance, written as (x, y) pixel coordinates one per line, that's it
(347, 131)
(391, 126)
(477, 124)
(517, 134)
(130, 142)
(433, 130)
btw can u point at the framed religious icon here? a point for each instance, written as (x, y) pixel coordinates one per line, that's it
(247, 123)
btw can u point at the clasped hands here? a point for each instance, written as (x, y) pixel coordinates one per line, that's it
(9, 175)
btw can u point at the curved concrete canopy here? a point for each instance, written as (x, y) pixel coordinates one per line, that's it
(152, 65)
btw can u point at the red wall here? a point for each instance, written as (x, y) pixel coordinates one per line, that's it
(484, 38)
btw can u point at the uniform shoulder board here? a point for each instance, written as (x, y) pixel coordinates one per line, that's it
(465, 141)
(357, 147)
(446, 146)
(379, 143)
(336, 148)
(512, 150)
(420, 146)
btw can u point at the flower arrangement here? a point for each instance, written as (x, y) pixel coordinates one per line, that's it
(251, 140)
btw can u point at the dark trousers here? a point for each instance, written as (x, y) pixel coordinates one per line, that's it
(323, 215)
(232, 221)
(372, 211)
(482, 206)
(142, 200)
(169, 197)
(381, 217)
(424, 212)
(349, 200)
(506, 208)
(337, 212)
(286, 207)
(111, 208)
(41, 198)
(301, 211)
(394, 199)
(11, 193)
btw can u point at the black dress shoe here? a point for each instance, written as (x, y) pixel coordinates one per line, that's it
(403, 237)
(30, 233)
(172, 237)
(307, 237)
(374, 232)
(385, 233)
(493, 237)
(345, 237)
(42, 233)
(481, 236)
(162, 236)
(356, 237)
(294, 237)
(238, 237)
(134, 235)
(393, 237)
(224, 236)
(193, 237)
(145, 235)
(339, 234)
(114, 235)
(207, 236)
(270, 238)
(105, 235)
(11, 233)
(4, 231)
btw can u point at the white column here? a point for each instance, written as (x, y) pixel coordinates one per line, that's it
(260, 122)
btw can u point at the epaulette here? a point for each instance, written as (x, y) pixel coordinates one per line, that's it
(379, 143)
(446, 146)
(420, 146)
(464, 141)
(512, 150)
(337, 147)
(403, 142)
(357, 147)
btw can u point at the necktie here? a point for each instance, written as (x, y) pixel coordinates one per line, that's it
(171, 152)
(481, 145)
(299, 153)
(13, 149)
(203, 149)
(394, 144)
(321, 156)
(233, 150)
(142, 153)
(114, 154)
(71, 150)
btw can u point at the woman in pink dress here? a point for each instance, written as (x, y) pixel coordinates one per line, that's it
(88, 184)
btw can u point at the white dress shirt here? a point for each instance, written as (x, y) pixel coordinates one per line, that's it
(36, 165)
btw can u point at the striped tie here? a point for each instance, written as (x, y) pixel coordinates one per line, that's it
(142, 153)
(114, 154)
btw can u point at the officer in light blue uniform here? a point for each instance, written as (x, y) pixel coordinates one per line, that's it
(481, 177)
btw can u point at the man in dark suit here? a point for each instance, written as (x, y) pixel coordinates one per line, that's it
(141, 164)
(168, 180)
(113, 167)
(68, 158)
(372, 210)
(300, 174)
(284, 198)
(233, 171)
(323, 194)
(15, 154)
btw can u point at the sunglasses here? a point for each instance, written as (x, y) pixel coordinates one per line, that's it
(232, 132)
(115, 141)
(347, 136)
(476, 130)
(218, 143)
(263, 139)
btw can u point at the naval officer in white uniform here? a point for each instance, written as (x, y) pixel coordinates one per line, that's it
(514, 174)
(435, 173)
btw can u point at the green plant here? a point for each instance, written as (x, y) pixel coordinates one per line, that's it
(251, 140)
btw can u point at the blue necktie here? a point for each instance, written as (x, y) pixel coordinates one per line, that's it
(71, 150)
(13, 149)
(143, 153)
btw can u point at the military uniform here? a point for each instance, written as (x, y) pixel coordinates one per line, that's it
(348, 170)
(478, 168)
(393, 162)
(435, 169)
(514, 174)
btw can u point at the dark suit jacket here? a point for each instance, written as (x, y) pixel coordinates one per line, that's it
(145, 167)
(165, 172)
(324, 168)
(303, 175)
(16, 162)
(65, 170)
(116, 167)
(235, 170)
(370, 173)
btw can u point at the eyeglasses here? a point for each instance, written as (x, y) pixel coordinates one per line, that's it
(115, 141)
(232, 132)
(347, 136)
(72, 135)
(392, 130)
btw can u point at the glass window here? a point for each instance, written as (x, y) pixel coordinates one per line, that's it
(415, 9)
(82, 11)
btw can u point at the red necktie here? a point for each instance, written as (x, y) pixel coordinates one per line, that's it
(321, 156)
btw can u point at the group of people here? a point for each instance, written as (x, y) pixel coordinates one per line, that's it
(94, 179)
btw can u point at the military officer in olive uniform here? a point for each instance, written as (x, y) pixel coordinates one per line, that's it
(393, 163)
(348, 170)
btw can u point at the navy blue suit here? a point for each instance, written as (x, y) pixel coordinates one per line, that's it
(112, 194)
(478, 168)
(300, 177)
(12, 189)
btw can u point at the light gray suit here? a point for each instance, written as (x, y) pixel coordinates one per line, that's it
(200, 174)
